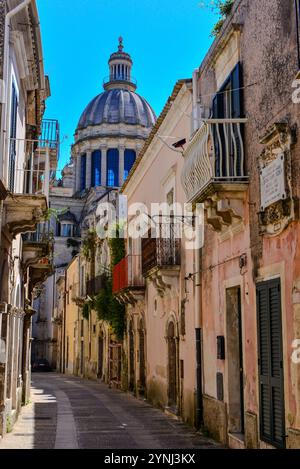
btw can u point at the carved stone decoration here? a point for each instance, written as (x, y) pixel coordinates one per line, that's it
(275, 218)
(165, 280)
(225, 209)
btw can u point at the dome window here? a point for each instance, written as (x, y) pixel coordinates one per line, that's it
(129, 159)
(83, 172)
(96, 168)
(113, 167)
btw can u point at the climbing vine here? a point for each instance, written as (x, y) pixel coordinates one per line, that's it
(104, 303)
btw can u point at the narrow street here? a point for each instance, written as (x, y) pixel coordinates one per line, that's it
(70, 413)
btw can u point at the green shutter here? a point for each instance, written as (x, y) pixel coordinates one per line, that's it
(272, 421)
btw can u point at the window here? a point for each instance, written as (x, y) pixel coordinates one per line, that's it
(66, 230)
(96, 168)
(13, 135)
(129, 159)
(113, 168)
(82, 172)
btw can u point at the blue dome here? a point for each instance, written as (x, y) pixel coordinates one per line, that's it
(116, 106)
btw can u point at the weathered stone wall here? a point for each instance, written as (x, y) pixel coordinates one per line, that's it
(268, 54)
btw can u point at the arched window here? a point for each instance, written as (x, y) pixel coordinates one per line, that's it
(129, 159)
(82, 172)
(96, 168)
(113, 167)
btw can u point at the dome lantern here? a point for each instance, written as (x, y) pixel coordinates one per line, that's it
(120, 65)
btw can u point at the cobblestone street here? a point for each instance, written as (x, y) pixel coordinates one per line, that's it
(67, 412)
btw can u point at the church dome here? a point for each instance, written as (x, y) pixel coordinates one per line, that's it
(117, 106)
(119, 103)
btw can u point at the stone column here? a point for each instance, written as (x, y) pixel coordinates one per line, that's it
(103, 165)
(78, 171)
(88, 179)
(121, 164)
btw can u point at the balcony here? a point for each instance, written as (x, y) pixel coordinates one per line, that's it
(214, 170)
(37, 255)
(94, 285)
(161, 257)
(128, 282)
(32, 166)
(37, 248)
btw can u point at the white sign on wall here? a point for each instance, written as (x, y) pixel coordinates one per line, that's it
(272, 182)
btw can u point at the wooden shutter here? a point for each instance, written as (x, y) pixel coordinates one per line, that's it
(272, 419)
(236, 79)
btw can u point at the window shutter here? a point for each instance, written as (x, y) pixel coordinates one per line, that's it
(236, 79)
(272, 420)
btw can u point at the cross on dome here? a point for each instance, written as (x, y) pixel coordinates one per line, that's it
(121, 47)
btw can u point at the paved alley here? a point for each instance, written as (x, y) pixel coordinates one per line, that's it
(67, 412)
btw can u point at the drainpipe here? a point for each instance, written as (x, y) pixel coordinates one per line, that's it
(198, 332)
(3, 130)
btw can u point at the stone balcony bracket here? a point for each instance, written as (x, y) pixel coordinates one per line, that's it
(165, 279)
(225, 209)
(130, 296)
(23, 213)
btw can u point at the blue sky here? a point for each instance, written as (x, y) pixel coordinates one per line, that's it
(167, 40)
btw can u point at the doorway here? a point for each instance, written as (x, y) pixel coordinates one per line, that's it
(172, 366)
(235, 363)
(142, 356)
(100, 357)
(131, 357)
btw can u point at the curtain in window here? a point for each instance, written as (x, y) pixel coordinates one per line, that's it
(113, 167)
(129, 159)
(96, 168)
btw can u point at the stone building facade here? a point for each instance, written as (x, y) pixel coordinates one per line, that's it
(27, 159)
(242, 163)
(152, 280)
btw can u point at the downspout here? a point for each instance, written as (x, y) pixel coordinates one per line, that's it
(8, 18)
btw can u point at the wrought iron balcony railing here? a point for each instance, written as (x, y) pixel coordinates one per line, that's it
(162, 251)
(215, 155)
(127, 274)
(94, 285)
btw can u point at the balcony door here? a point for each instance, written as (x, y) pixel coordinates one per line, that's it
(228, 104)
